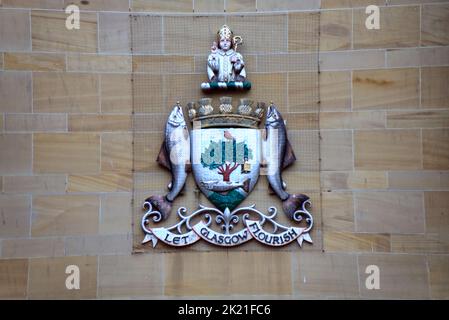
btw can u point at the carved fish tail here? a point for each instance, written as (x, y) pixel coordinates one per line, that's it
(293, 203)
(161, 204)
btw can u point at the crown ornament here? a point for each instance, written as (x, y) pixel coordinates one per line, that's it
(245, 106)
(225, 115)
(205, 107)
(225, 105)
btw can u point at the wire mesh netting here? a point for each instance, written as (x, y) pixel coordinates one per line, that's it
(169, 63)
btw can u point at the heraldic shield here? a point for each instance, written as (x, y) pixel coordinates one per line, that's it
(226, 163)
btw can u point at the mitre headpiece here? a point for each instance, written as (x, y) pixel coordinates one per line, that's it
(225, 33)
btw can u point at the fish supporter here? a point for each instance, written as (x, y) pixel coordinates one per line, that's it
(278, 154)
(175, 156)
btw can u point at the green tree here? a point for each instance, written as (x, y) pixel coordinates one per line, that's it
(226, 156)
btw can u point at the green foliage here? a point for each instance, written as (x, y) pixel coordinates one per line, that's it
(220, 152)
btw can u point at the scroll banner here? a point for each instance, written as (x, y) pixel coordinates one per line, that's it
(271, 239)
(174, 239)
(219, 239)
(200, 230)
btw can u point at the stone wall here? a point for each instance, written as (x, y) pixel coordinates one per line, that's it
(66, 155)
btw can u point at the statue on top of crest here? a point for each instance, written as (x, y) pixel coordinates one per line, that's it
(225, 66)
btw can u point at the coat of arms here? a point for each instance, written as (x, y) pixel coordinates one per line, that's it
(227, 150)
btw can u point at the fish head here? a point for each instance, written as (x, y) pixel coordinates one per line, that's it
(274, 118)
(176, 118)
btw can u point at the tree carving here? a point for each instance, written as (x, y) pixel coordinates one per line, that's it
(225, 170)
(225, 156)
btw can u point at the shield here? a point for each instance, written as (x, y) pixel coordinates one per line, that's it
(226, 163)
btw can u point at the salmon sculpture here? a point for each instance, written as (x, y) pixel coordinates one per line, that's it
(174, 156)
(278, 154)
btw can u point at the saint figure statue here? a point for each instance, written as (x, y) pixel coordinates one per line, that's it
(225, 66)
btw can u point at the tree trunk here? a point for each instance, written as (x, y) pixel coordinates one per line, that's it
(226, 170)
(226, 176)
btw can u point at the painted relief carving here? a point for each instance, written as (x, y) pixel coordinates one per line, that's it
(226, 150)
